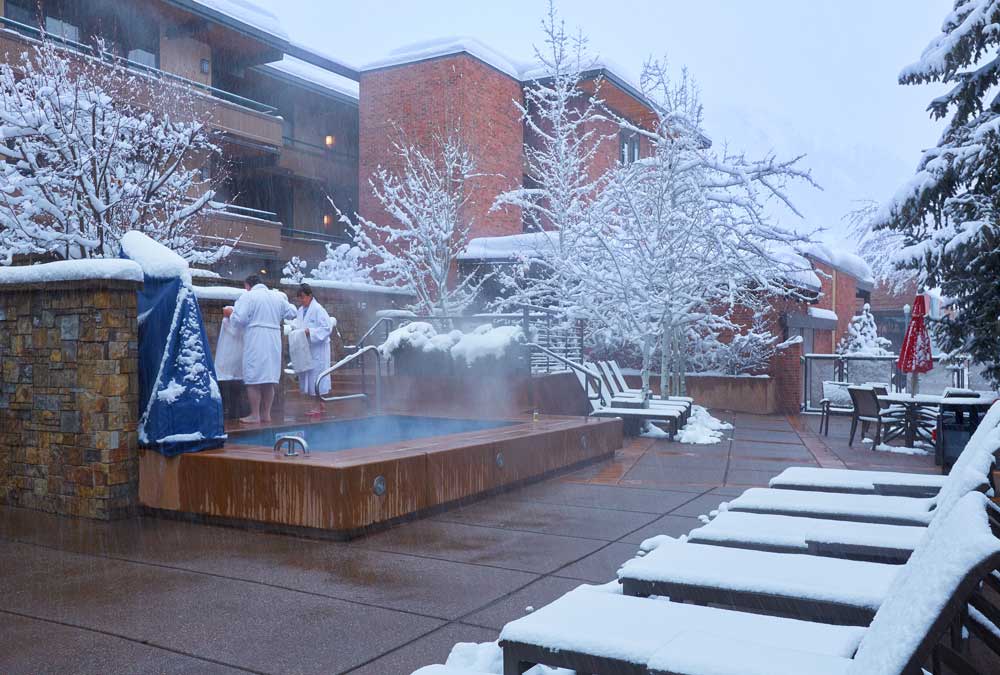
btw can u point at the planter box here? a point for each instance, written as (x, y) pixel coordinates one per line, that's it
(740, 394)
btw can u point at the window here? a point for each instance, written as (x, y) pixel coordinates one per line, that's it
(62, 28)
(628, 147)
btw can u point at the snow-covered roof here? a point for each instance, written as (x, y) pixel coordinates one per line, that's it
(523, 71)
(290, 67)
(801, 269)
(821, 313)
(105, 269)
(244, 14)
(509, 247)
(846, 261)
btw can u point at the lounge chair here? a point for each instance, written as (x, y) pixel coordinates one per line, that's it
(619, 378)
(620, 391)
(883, 482)
(615, 399)
(634, 418)
(600, 633)
(813, 588)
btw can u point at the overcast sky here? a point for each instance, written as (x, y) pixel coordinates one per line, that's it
(815, 77)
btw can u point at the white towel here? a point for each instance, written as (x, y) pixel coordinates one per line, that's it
(229, 352)
(299, 352)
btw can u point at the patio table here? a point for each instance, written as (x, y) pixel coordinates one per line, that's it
(912, 406)
(967, 410)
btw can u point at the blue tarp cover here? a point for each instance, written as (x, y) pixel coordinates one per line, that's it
(179, 401)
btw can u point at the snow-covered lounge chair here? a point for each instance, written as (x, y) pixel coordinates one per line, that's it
(603, 633)
(621, 393)
(618, 400)
(882, 482)
(438, 669)
(634, 418)
(619, 378)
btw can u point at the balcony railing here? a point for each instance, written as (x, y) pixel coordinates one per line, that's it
(318, 236)
(35, 33)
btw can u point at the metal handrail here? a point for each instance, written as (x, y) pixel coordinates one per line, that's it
(378, 322)
(343, 362)
(575, 366)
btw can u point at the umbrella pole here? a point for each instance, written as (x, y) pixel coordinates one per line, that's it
(913, 384)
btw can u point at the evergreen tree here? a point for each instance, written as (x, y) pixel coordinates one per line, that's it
(949, 213)
(862, 336)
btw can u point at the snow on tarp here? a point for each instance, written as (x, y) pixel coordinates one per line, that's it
(320, 77)
(72, 270)
(179, 400)
(632, 629)
(926, 583)
(227, 293)
(847, 582)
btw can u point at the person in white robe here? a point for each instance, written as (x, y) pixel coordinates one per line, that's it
(259, 313)
(318, 326)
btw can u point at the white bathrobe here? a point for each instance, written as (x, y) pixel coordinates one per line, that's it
(320, 325)
(260, 313)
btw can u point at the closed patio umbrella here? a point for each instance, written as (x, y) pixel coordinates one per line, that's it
(915, 355)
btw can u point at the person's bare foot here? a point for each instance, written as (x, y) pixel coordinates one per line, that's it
(267, 421)
(250, 420)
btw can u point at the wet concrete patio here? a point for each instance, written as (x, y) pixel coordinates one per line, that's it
(156, 596)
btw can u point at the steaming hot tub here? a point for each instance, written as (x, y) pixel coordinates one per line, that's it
(364, 432)
(367, 471)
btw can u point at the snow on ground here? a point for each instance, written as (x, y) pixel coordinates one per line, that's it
(702, 428)
(899, 449)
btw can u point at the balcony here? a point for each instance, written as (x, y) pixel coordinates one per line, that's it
(246, 229)
(317, 162)
(229, 113)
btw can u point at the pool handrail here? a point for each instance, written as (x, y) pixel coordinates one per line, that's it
(364, 394)
(575, 366)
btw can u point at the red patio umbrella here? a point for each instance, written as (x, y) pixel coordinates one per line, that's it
(915, 355)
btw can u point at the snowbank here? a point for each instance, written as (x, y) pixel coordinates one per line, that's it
(702, 428)
(108, 269)
(482, 342)
(155, 259)
(227, 293)
(526, 245)
(349, 286)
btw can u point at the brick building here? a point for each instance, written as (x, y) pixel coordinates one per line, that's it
(285, 117)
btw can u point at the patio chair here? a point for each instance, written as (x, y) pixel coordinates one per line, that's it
(634, 418)
(603, 633)
(868, 411)
(616, 399)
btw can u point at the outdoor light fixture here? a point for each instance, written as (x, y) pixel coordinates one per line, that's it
(331, 140)
(205, 66)
(327, 219)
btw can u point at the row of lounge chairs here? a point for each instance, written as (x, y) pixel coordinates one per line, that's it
(826, 572)
(614, 398)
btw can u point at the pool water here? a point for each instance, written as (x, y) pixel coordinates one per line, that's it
(334, 435)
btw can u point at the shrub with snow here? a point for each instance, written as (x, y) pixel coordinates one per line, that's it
(344, 263)
(485, 341)
(862, 336)
(88, 159)
(294, 270)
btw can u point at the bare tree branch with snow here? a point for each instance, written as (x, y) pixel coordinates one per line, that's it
(93, 151)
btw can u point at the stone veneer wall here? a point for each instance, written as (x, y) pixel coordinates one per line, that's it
(69, 398)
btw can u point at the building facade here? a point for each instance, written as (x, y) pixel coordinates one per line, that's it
(284, 117)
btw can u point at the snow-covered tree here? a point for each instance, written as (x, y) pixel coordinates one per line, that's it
(417, 248)
(678, 239)
(862, 336)
(294, 270)
(876, 246)
(343, 262)
(92, 151)
(564, 135)
(746, 351)
(949, 212)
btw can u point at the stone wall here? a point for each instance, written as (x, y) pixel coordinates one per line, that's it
(69, 397)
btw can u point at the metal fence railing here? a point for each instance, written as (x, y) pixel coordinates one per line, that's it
(857, 369)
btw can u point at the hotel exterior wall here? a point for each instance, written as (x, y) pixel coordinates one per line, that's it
(436, 97)
(69, 398)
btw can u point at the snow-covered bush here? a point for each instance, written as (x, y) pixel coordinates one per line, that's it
(93, 151)
(862, 336)
(294, 270)
(345, 263)
(483, 342)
